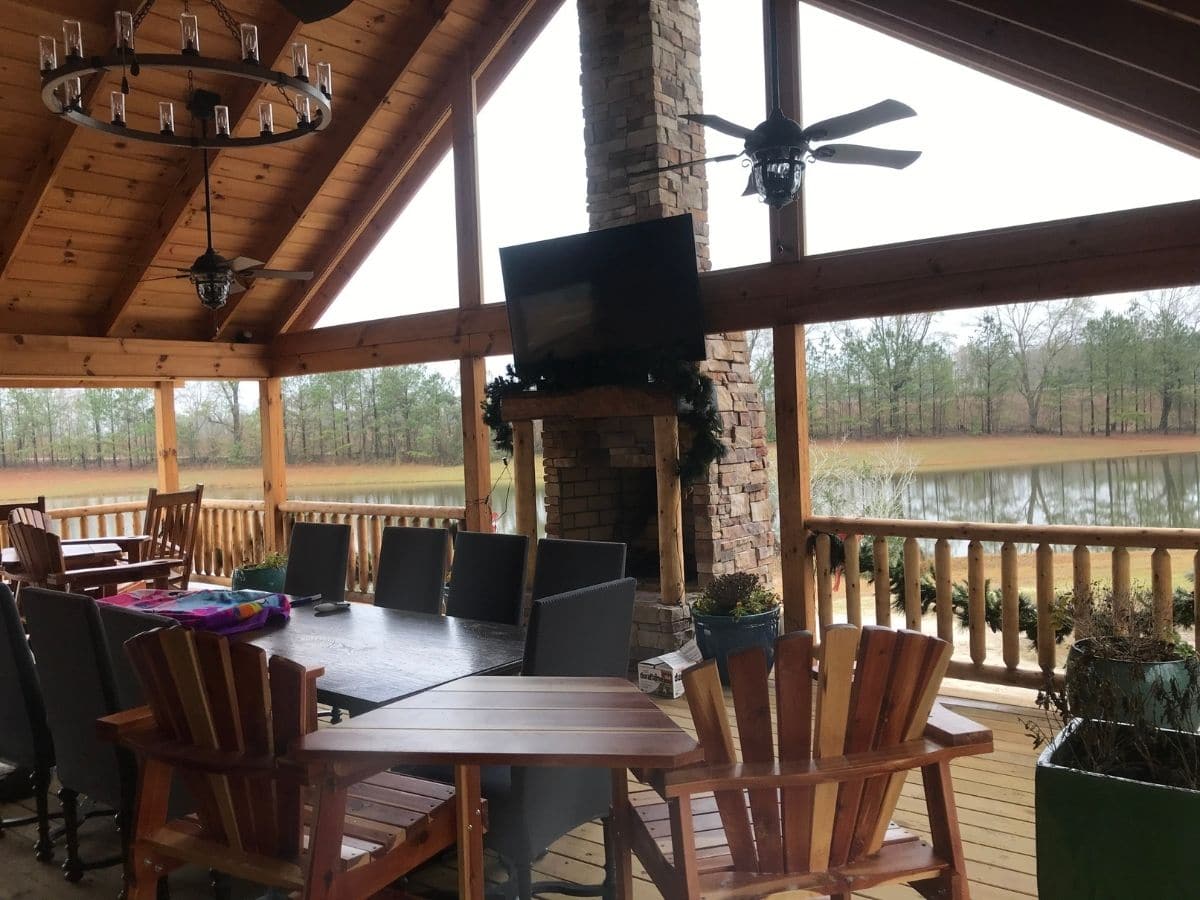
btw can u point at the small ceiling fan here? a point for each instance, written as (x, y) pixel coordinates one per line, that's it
(217, 278)
(779, 148)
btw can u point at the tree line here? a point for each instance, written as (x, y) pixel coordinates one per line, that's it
(1063, 367)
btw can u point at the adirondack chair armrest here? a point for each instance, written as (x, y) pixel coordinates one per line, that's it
(152, 744)
(118, 726)
(950, 729)
(150, 568)
(832, 769)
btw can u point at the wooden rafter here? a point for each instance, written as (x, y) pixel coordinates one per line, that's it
(276, 44)
(494, 56)
(30, 356)
(417, 31)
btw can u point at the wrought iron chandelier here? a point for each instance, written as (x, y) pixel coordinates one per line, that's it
(62, 90)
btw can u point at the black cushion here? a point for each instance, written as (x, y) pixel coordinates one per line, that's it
(487, 577)
(318, 554)
(412, 569)
(564, 565)
(24, 735)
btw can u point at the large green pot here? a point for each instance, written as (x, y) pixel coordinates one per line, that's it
(259, 579)
(1101, 836)
(1102, 688)
(718, 636)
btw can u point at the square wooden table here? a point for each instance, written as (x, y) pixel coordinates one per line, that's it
(502, 720)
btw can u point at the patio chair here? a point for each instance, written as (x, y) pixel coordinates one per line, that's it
(412, 569)
(170, 524)
(222, 717)
(318, 557)
(24, 735)
(6, 510)
(487, 577)
(120, 624)
(565, 565)
(816, 819)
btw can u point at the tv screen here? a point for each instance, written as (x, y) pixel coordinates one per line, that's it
(630, 292)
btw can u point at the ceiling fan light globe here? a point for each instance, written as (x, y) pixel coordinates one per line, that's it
(212, 287)
(778, 174)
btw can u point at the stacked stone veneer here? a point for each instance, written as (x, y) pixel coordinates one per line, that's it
(640, 72)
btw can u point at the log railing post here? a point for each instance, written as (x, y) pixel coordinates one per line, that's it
(1081, 564)
(853, 580)
(1163, 592)
(883, 581)
(1045, 608)
(977, 603)
(166, 438)
(945, 590)
(824, 580)
(274, 461)
(1010, 607)
(1122, 589)
(912, 584)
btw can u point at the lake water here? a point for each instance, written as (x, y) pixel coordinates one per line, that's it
(1134, 491)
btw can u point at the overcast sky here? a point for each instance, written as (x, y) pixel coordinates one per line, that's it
(993, 155)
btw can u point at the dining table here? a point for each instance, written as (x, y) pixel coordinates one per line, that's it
(75, 555)
(502, 720)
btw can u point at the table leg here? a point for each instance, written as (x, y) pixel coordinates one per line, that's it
(469, 808)
(619, 846)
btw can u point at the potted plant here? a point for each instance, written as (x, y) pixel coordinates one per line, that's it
(734, 612)
(265, 575)
(1125, 764)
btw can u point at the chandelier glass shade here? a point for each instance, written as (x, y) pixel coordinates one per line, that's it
(63, 95)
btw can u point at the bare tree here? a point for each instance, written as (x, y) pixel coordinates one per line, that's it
(1039, 333)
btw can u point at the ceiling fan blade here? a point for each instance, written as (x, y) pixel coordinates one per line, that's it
(691, 162)
(860, 120)
(185, 274)
(751, 187)
(244, 262)
(279, 273)
(719, 124)
(866, 156)
(236, 288)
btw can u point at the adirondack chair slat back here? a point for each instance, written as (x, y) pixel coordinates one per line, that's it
(7, 509)
(38, 548)
(171, 523)
(874, 690)
(226, 700)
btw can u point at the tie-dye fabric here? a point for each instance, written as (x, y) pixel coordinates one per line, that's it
(218, 610)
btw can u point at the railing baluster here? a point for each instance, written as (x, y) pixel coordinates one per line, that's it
(364, 555)
(883, 582)
(853, 581)
(83, 526)
(1045, 605)
(1121, 590)
(1164, 594)
(1010, 607)
(376, 547)
(1081, 599)
(976, 603)
(945, 590)
(824, 582)
(912, 584)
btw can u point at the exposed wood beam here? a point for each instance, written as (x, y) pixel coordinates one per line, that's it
(91, 382)
(1131, 250)
(276, 44)
(416, 34)
(500, 48)
(30, 356)
(1126, 96)
(166, 436)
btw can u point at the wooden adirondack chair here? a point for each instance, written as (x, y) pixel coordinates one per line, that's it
(171, 522)
(221, 718)
(817, 817)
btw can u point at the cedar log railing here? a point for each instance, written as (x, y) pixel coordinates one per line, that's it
(231, 532)
(1045, 538)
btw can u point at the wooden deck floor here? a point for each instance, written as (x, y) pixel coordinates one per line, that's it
(995, 805)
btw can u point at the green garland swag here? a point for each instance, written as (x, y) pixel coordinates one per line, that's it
(693, 393)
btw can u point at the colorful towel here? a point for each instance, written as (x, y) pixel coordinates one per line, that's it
(220, 611)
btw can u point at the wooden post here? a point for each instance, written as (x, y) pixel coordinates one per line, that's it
(1045, 607)
(853, 581)
(670, 511)
(945, 590)
(477, 467)
(166, 437)
(912, 584)
(1164, 594)
(525, 480)
(274, 461)
(1010, 609)
(977, 603)
(791, 380)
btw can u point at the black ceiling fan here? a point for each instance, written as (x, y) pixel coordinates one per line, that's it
(779, 148)
(215, 277)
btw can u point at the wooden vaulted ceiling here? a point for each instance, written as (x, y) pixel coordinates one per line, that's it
(86, 223)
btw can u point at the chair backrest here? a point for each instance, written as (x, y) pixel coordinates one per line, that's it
(871, 693)
(6, 510)
(120, 624)
(487, 577)
(24, 735)
(77, 684)
(564, 565)
(227, 700)
(582, 633)
(171, 522)
(318, 557)
(412, 568)
(38, 549)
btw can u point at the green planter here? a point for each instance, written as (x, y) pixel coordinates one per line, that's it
(718, 636)
(268, 579)
(1101, 836)
(1101, 688)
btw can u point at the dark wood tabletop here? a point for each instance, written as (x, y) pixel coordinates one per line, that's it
(374, 656)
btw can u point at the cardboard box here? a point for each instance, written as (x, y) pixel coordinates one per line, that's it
(662, 675)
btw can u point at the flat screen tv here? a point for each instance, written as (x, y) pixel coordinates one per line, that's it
(630, 292)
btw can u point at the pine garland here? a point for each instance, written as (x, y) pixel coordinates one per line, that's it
(693, 392)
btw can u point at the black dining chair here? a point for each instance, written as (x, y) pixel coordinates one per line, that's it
(563, 565)
(76, 675)
(412, 569)
(318, 555)
(487, 577)
(24, 735)
(120, 624)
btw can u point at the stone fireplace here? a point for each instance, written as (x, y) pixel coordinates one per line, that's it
(641, 70)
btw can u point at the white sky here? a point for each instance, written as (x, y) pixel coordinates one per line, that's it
(993, 155)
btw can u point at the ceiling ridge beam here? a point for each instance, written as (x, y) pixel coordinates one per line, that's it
(417, 35)
(190, 188)
(494, 56)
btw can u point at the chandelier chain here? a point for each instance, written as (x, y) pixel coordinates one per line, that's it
(230, 22)
(140, 15)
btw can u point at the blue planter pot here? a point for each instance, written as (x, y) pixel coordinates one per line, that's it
(1100, 688)
(270, 580)
(718, 636)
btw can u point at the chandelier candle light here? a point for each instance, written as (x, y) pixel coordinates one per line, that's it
(62, 93)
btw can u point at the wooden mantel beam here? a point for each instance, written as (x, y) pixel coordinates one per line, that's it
(98, 360)
(1131, 250)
